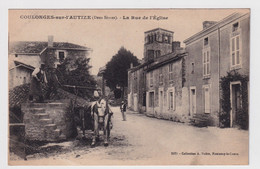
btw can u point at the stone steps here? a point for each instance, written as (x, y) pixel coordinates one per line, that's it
(50, 126)
(42, 115)
(37, 110)
(199, 120)
(45, 121)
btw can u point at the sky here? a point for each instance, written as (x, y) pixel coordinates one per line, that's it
(106, 36)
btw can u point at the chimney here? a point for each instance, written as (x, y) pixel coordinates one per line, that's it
(50, 41)
(175, 46)
(207, 24)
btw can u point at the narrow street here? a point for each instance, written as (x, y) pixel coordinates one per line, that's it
(143, 140)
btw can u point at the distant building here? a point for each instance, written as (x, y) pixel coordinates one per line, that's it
(24, 56)
(220, 48)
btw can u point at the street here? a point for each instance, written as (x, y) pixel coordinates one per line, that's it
(142, 140)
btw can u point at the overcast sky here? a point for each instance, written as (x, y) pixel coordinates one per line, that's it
(105, 37)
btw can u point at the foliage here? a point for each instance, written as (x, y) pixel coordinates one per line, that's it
(76, 73)
(183, 71)
(242, 114)
(116, 69)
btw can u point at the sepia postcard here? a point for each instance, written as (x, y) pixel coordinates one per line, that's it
(97, 87)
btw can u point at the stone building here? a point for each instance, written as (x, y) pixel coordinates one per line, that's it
(221, 48)
(156, 86)
(166, 94)
(24, 56)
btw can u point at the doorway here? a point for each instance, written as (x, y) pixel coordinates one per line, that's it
(151, 102)
(161, 100)
(192, 101)
(236, 102)
(135, 103)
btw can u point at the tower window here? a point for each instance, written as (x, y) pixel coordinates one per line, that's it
(150, 54)
(157, 53)
(166, 39)
(154, 37)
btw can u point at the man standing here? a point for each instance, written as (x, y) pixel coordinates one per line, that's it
(123, 110)
(52, 85)
(38, 77)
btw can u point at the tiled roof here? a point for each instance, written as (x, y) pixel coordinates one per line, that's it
(17, 63)
(165, 60)
(19, 95)
(36, 47)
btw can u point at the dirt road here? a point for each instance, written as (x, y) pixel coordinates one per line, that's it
(142, 140)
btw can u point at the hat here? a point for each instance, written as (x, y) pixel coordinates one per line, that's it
(96, 93)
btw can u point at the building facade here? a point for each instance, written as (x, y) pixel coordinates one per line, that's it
(156, 86)
(219, 51)
(166, 94)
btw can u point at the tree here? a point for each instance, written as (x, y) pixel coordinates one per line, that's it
(116, 69)
(76, 73)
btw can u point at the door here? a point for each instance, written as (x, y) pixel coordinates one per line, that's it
(151, 102)
(192, 101)
(206, 100)
(135, 103)
(161, 101)
(235, 104)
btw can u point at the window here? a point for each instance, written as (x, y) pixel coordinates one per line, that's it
(135, 81)
(171, 72)
(161, 76)
(166, 38)
(192, 68)
(151, 99)
(207, 99)
(150, 54)
(151, 78)
(206, 62)
(235, 27)
(235, 51)
(151, 38)
(24, 80)
(61, 55)
(206, 41)
(157, 53)
(171, 99)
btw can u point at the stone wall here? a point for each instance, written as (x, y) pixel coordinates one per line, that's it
(161, 108)
(16, 139)
(47, 121)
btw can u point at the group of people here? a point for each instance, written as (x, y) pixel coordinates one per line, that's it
(100, 107)
(39, 77)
